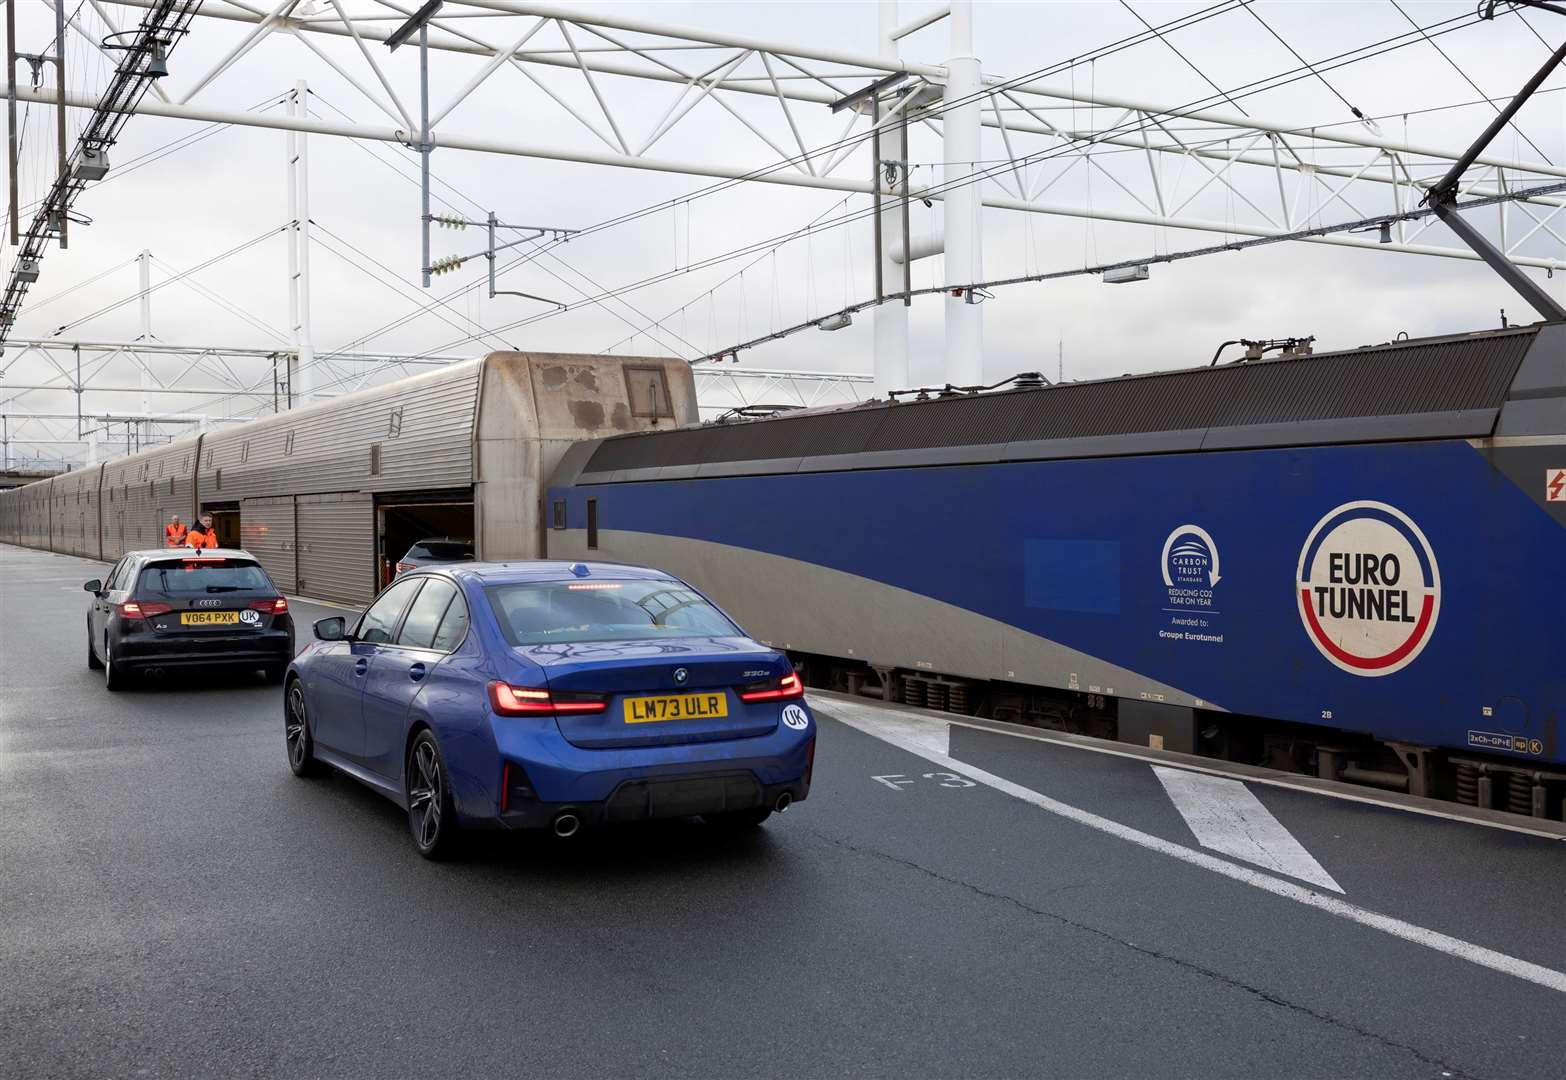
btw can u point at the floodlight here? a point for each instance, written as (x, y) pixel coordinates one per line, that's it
(1122, 274)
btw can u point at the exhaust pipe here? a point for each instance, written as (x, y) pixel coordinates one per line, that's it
(567, 824)
(785, 801)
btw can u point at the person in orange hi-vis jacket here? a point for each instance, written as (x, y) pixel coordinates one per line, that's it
(202, 534)
(174, 532)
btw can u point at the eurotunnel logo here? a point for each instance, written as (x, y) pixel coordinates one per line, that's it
(1368, 587)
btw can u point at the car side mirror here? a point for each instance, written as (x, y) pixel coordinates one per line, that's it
(93, 586)
(333, 629)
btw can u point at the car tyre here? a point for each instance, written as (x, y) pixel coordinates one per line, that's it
(432, 817)
(114, 678)
(739, 820)
(93, 663)
(296, 733)
(274, 673)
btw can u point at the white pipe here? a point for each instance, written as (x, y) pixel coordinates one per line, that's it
(913, 26)
(923, 246)
(1253, 123)
(145, 275)
(305, 390)
(278, 122)
(964, 226)
(291, 162)
(489, 68)
(823, 96)
(648, 26)
(890, 320)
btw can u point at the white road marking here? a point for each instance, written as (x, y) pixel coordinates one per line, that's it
(895, 727)
(1365, 796)
(1226, 817)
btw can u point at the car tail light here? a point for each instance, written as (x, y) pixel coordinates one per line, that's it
(788, 686)
(404, 567)
(509, 700)
(276, 606)
(141, 609)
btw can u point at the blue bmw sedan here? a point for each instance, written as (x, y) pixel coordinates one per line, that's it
(550, 695)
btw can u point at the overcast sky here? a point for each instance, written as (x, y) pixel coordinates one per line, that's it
(207, 198)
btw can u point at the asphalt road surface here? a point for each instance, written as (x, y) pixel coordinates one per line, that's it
(173, 902)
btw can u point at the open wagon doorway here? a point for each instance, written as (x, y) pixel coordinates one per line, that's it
(225, 519)
(444, 527)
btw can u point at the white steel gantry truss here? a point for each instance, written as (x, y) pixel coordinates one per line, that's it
(1030, 143)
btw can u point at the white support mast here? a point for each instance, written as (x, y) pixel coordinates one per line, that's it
(301, 366)
(890, 318)
(144, 269)
(964, 228)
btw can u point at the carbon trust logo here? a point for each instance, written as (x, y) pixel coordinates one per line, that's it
(1190, 558)
(1369, 589)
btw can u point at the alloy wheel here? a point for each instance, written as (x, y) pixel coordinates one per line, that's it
(425, 796)
(295, 727)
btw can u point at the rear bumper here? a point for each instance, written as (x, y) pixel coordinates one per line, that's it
(258, 647)
(660, 799)
(630, 783)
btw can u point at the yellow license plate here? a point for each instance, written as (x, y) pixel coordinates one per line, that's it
(647, 710)
(208, 618)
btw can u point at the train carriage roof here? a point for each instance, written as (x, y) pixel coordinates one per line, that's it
(1446, 387)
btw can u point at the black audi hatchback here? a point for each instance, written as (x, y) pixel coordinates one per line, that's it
(176, 609)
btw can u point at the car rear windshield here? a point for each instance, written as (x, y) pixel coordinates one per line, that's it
(543, 613)
(198, 577)
(441, 549)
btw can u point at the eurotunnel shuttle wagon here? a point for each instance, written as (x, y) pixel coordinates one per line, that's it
(329, 496)
(1351, 564)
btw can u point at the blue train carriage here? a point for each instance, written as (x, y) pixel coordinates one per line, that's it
(1351, 564)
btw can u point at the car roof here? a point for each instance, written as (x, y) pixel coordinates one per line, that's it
(523, 570)
(191, 553)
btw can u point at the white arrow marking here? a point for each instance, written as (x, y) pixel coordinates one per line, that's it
(1227, 817)
(872, 720)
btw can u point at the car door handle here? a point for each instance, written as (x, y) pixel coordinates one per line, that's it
(361, 666)
(416, 672)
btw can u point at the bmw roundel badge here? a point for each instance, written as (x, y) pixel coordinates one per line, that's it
(680, 675)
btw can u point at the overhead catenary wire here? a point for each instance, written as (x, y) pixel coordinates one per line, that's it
(213, 261)
(1342, 59)
(189, 281)
(1183, 58)
(1457, 68)
(1347, 104)
(843, 203)
(391, 281)
(1443, 108)
(1305, 71)
(83, 284)
(606, 294)
(790, 161)
(1356, 225)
